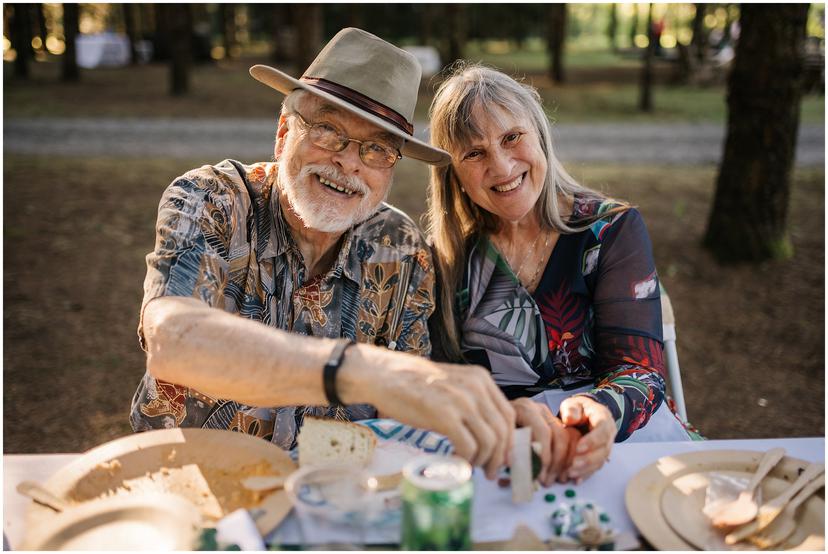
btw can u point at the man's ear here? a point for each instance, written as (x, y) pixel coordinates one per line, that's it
(281, 135)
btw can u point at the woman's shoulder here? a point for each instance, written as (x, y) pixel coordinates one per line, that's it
(602, 214)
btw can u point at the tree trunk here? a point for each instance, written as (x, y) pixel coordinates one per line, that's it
(455, 33)
(634, 25)
(132, 35)
(180, 41)
(645, 99)
(280, 33)
(612, 27)
(698, 46)
(71, 21)
(427, 24)
(307, 20)
(161, 47)
(227, 13)
(21, 30)
(748, 218)
(356, 13)
(41, 25)
(555, 39)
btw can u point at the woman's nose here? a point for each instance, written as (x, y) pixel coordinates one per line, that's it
(500, 163)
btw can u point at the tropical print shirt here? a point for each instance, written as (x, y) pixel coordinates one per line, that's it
(221, 238)
(594, 318)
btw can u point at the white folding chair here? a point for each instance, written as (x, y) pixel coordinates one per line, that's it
(668, 321)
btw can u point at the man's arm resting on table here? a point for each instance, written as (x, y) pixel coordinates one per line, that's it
(227, 356)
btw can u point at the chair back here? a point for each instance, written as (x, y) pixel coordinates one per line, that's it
(668, 320)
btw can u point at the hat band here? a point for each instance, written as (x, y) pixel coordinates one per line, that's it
(361, 101)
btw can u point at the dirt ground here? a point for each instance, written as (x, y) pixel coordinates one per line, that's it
(750, 339)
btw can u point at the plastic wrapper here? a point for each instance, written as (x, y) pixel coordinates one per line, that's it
(724, 488)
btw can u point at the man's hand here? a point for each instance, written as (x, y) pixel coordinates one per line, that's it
(593, 449)
(461, 402)
(557, 448)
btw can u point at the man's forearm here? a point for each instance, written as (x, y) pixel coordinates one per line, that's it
(230, 357)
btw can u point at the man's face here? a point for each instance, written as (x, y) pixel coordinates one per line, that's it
(329, 191)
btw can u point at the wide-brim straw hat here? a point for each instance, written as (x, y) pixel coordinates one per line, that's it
(366, 76)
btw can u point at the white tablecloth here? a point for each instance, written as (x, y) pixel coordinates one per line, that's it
(494, 516)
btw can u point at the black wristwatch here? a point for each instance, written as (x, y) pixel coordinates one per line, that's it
(330, 369)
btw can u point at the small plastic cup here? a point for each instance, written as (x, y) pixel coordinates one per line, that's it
(334, 506)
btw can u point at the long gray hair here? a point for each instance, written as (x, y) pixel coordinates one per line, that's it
(452, 217)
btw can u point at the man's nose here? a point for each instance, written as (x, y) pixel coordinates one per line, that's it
(348, 158)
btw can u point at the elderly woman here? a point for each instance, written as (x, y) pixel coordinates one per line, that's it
(550, 285)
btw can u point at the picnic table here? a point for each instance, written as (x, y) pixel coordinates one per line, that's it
(494, 517)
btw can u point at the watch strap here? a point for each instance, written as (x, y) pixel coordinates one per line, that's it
(331, 368)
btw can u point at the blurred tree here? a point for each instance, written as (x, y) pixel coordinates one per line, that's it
(455, 33)
(634, 25)
(40, 26)
(645, 98)
(131, 32)
(612, 27)
(227, 16)
(355, 16)
(749, 214)
(427, 19)
(161, 35)
(21, 39)
(308, 23)
(698, 45)
(180, 29)
(555, 39)
(71, 28)
(281, 33)
(732, 14)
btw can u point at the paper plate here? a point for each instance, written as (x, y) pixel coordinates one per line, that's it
(151, 521)
(683, 499)
(205, 466)
(645, 489)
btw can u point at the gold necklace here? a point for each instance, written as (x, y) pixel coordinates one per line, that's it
(525, 258)
(540, 265)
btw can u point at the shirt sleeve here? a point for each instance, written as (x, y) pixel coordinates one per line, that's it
(190, 259)
(629, 364)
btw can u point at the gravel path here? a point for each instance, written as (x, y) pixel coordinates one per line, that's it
(251, 140)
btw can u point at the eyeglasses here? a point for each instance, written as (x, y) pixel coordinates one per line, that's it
(373, 154)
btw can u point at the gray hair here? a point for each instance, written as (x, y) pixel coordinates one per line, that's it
(452, 218)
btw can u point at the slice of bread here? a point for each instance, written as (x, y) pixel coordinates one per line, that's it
(328, 441)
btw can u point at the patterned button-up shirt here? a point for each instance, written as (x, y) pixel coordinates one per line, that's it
(221, 238)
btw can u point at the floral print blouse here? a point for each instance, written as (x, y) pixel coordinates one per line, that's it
(594, 318)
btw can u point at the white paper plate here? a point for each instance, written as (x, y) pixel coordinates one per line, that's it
(683, 500)
(644, 491)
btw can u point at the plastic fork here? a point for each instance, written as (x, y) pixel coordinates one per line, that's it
(769, 510)
(784, 525)
(745, 508)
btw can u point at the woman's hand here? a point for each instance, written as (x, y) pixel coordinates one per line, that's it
(592, 450)
(549, 431)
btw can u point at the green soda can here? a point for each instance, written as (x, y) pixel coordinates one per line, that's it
(437, 496)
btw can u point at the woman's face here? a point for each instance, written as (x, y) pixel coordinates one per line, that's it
(503, 171)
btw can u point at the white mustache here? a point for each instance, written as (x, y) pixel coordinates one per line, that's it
(332, 174)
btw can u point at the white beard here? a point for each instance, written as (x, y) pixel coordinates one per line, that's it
(319, 212)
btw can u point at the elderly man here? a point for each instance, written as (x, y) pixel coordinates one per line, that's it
(333, 286)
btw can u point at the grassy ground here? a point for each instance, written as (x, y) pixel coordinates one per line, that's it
(751, 339)
(596, 93)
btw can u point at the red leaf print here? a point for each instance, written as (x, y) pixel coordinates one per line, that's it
(562, 316)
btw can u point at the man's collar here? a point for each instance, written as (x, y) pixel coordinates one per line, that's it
(280, 240)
